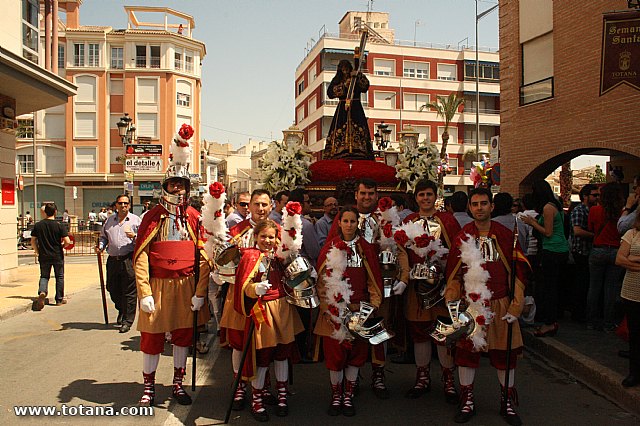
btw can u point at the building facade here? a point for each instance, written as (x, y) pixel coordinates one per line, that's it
(151, 71)
(551, 107)
(403, 77)
(27, 84)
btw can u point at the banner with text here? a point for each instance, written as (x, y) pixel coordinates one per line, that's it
(620, 51)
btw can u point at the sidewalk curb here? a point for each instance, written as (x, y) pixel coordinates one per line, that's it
(593, 374)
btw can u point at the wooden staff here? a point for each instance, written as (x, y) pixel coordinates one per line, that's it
(102, 287)
(512, 286)
(196, 279)
(236, 380)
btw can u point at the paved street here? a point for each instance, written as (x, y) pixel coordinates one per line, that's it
(66, 355)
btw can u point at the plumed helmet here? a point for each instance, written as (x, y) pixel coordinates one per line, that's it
(178, 169)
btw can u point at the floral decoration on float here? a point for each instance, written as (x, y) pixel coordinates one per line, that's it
(416, 163)
(285, 166)
(338, 170)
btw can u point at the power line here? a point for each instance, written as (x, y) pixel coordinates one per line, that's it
(234, 132)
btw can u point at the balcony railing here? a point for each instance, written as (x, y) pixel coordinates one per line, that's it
(141, 61)
(536, 91)
(155, 62)
(482, 110)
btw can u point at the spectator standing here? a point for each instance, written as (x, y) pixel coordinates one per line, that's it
(605, 277)
(118, 236)
(630, 210)
(310, 248)
(628, 257)
(581, 242)
(103, 216)
(459, 202)
(242, 208)
(47, 240)
(28, 219)
(323, 225)
(280, 199)
(93, 217)
(401, 206)
(65, 216)
(555, 254)
(502, 213)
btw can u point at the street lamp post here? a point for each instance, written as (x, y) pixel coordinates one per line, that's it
(478, 18)
(382, 136)
(126, 130)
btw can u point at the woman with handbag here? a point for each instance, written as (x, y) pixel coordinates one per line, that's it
(628, 257)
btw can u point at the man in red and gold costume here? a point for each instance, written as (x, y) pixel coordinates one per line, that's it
(493, 248)
(233, 323)
(423, 305)
(164, 260)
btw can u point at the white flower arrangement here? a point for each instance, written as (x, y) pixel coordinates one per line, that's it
(477, 293)
(285, 166)
(415, 163)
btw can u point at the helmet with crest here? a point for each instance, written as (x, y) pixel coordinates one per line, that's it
(178, 170)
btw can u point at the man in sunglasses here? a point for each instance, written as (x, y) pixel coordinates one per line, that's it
(242, 207)
(118, 236)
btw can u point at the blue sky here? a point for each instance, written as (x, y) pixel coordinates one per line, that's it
(254, 47)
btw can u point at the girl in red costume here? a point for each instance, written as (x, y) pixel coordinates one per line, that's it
(261, 296)
(348, 274)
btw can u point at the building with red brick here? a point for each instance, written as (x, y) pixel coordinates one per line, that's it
(551, 109)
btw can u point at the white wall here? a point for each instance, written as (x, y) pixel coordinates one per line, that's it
(9, 213)
(11, 26)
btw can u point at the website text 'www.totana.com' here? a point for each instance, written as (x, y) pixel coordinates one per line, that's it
(79, 410)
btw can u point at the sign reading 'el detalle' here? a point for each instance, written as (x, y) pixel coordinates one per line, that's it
(620, 51)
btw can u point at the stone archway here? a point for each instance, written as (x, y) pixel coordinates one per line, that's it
(517, 178)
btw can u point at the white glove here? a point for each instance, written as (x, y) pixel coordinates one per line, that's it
(215, 276)
(399, 287)
(196, 303)
(510, 318)
(262, 288)
(147, 305)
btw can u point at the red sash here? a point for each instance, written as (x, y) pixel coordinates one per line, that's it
(171, 259)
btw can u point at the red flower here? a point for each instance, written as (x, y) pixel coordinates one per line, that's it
(285, 248)
(401, 237)
(218, 213)
(328, 272)
(423, 240)
(333, 310)
(481, 320)
(291, 232)
(387, 230)
(216, 189)
(431, 253)
(474, 296)
(341, 245)
(185, 132)
(181, 143)
(338, 297)
(385, 204)
(293, 208)
(337, 326)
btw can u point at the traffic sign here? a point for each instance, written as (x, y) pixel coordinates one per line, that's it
(20, 183)
(143, 165)
(143, 150)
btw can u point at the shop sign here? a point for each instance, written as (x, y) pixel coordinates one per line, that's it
(8, 191)
(143, 165)
(143, 150)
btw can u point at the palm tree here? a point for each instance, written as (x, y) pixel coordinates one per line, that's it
(446, 108)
